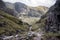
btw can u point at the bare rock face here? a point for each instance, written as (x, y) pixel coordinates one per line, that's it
(53, 20)
(52, 24)
(2, 5)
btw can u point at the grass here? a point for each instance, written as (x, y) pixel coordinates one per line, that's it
(29, 20)
(10, 24)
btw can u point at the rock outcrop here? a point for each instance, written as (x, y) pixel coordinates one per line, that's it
(2, 5)
(53, 20)
(50, 22)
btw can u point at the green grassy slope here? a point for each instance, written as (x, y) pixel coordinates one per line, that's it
(10, 25)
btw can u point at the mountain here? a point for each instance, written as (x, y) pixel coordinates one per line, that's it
(23, 9)
(50, 22)
(20, 7)
(9, 5)
(2, 5)
(26, 13)
(10, 25)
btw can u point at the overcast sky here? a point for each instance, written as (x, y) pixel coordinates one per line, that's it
(34, 3)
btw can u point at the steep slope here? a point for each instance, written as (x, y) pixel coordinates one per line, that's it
(10, 25)
(50, 23)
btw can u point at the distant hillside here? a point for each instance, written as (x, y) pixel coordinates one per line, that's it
(22, 9)
(9, 5)
(42, 8)
(26, 13)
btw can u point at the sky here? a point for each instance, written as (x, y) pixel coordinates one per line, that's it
(34, 3)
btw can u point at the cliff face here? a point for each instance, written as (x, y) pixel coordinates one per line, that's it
(50, 22)
(2, 5)
(53, 20)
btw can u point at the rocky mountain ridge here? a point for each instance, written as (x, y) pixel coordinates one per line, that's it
(23, 9)
(50, 22)
(26, 13)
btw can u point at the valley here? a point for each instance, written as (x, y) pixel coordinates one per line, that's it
(21, 22)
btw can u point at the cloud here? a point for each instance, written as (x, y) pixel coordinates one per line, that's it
(34, 3)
